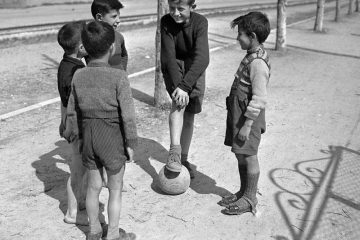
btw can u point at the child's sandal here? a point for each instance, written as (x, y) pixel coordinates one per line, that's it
(226, 200)
(236, 209)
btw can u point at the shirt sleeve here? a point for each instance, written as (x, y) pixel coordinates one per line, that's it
(127, 111)
(71, 124)
(200, 57)
(259, 76)
(169, 65)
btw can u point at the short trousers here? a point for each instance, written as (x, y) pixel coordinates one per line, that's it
(236, 105)
(196, 95)
(103, 145)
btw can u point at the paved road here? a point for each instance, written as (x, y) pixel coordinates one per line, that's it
(62, 13)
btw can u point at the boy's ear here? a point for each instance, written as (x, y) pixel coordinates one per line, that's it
(253, 35)
(82, 49)
(98, 17)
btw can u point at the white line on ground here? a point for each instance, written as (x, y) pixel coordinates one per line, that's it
(148, 70)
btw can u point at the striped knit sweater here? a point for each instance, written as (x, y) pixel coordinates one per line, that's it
(100, 91)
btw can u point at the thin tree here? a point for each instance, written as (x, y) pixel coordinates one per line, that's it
(161, 98)
(318, 27)
(337, 11)
(351, 3)
(281, 25)
(357, 6)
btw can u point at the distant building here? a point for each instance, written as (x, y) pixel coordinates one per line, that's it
(32, 3)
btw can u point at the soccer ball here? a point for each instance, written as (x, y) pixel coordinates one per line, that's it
(174, 182)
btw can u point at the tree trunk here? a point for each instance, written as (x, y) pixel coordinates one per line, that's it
(319, 16)
(281, 25)
(357, 6)
(351, 3)
(161, 97)
(337, 11)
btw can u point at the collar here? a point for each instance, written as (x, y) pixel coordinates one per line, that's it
(75, 61)
(256, 49)
(98, 64)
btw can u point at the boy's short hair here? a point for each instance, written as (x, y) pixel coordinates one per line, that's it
(189, 2)
(69, 36)
(104, 6)
(97, 38)
(255, 22)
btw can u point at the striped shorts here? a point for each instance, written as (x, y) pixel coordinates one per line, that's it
(103, 144)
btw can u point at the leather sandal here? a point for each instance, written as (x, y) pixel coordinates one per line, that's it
(237, 208)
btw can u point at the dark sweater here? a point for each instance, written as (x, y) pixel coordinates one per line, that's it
(100, 91)
(187, 42)
(66, 70)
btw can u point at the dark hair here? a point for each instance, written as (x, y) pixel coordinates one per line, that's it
(255, 22)
(97, 38)
(104, 6)
(189, 2)
(69, 36)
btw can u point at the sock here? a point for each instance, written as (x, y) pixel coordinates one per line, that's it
(251, 186)
(113, 233)
(184, 157)
(95, 227)
(243, 178)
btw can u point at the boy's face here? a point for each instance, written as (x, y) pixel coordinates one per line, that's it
(112, 17)
(179, 11)
(244, 40)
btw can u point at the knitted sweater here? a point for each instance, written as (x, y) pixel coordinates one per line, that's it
(100, 91)
(187, 42)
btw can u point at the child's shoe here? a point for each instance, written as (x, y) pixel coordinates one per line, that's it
(229, 199)
(241, 206)
(174, 159)
(187, 165)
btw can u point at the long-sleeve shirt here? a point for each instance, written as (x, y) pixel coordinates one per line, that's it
(187, 42)
(100, 91)
(120, 58)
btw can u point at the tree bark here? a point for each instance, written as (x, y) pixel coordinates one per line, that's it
(357, 6)
(318, 27)
(351, 4)
(337, 11)
(161, 97)
(281, 25)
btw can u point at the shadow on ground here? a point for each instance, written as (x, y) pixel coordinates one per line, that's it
(326, 203)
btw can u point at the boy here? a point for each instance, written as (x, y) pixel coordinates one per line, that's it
(101, 97)
(70, 40)
(246, 110)
(109, 11)
(184, 59)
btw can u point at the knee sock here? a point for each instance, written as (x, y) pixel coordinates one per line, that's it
(251, 185)
(243, 178)
(184, 157)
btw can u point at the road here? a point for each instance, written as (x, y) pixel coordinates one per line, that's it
(63, 13)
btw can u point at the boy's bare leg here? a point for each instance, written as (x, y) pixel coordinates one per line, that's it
(115, 184)
(75, 190)
(185, 140)
(92, 200)
(176, 118)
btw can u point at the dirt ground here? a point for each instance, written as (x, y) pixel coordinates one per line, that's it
(313, 104)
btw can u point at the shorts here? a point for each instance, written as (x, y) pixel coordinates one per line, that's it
(103, 145)
(236, 105)
(196, 95)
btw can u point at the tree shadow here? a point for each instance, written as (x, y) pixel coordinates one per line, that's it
(149, 149)
(49, 170)
(329, 199)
